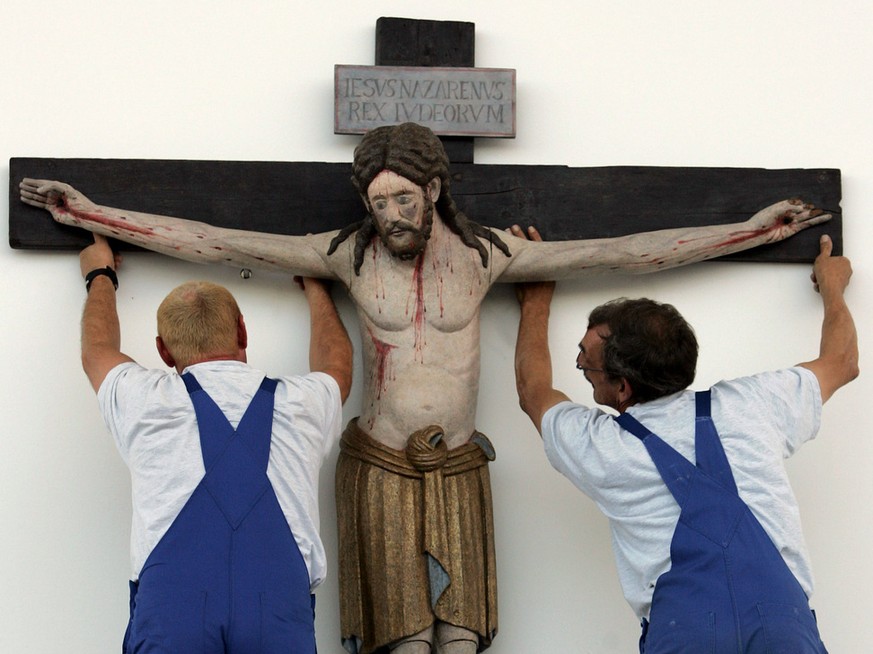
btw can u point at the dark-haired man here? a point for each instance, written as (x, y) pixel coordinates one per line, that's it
(706, 531)
(417, 270)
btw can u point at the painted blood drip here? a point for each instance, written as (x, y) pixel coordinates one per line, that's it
(418, 323)
(383, 373)
(86, 217)
(379, 284)
(737, 237)
(437, 265)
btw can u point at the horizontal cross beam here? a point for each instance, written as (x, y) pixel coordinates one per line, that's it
(303, 197)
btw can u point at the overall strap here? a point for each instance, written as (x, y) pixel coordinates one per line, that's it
(634, 426)
(256, 424)
(235, 459)
(215, 430)
(676, 471)
(259, 412)
(707, 444)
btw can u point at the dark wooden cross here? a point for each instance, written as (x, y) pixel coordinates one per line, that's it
(302, 197)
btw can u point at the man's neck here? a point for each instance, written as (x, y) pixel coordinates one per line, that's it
(221, 357)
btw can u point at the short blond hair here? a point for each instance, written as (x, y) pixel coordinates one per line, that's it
(198, 320)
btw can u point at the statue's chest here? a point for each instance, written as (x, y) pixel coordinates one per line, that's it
(440, 292)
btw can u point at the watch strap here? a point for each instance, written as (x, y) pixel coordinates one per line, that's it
(91, 276)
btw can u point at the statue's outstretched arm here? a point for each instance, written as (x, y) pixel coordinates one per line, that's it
(184, 239)
(658, 250)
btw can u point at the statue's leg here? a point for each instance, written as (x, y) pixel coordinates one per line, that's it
(420, 643)
(455, 640)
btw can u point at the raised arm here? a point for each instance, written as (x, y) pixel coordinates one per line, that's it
(658, 250)
(101, 333)
(185, 239)
(330, 350)
(533, 360)
(837, 362)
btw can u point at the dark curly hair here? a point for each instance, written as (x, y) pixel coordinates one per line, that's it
(650, 344)
(414, 152)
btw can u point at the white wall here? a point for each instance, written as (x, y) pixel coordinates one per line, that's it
(774, 84)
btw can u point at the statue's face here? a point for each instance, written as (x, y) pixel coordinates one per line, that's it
(402, 212)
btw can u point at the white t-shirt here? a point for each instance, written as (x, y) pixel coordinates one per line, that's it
(151, 417)
(761, 420)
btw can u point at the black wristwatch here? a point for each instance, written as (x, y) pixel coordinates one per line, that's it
(91, 276)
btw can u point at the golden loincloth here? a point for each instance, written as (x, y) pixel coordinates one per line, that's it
(416, 539)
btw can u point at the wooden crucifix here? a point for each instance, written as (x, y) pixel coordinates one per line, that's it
(413, 493)
(564, 202)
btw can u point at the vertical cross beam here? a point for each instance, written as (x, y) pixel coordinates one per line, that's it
(410, 42)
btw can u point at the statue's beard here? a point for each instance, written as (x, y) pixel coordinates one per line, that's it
(416, 238)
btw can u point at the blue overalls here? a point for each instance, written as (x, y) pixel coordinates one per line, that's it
(728, 591)
(227, 577)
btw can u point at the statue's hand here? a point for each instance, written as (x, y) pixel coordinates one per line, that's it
(61, 200)
(786, 218)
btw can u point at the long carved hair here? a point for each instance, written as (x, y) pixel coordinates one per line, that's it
(414, 152)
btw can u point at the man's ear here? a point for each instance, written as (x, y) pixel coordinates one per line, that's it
(166, 357)
(625, 394)
(434, 187)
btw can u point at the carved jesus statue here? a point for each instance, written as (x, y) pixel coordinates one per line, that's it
(416, 568)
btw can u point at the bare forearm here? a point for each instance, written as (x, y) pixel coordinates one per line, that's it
(670, 248)
(837, 363)
(330, 349)
(634, 254)
(839, 336)
(201, 242)
(657, 250)
(101, 332)
(533, 363)
(100, 326)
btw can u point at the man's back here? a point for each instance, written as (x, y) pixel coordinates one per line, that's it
(150, 415)
(760, 421)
